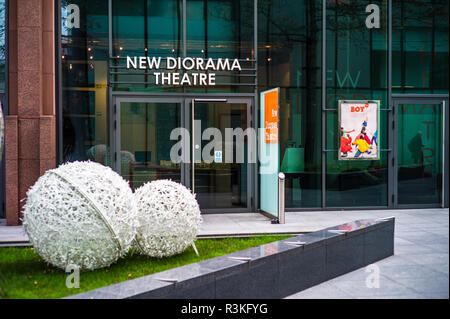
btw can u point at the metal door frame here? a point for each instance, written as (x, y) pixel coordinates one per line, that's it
(251, 167)
(115, 127)
(398, 99)
(185, 103)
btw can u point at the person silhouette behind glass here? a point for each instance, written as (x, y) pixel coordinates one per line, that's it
(415, 146)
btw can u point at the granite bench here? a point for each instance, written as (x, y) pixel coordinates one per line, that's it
(273, 270)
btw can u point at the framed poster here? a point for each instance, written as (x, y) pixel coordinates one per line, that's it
(359, 130)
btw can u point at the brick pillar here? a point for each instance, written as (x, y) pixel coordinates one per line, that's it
(30, 129)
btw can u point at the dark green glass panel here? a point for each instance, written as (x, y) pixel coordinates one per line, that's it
(420, 46)
(289, 57)
(146, 144)
(222, 29)
(84, 63)
(357, 56)
(151, 28)
(356, 183)
(357, 69)
(420, 153)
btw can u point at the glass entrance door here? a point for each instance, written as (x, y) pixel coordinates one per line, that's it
(420, 168)
(142, 140)
(221, 173)
(159, 138)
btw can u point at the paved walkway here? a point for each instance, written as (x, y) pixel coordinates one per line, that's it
(418, 269)
(240, 224)
(216, 225)
(244, 224)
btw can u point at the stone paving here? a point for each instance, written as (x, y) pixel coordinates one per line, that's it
(217, 225)
(418, 269)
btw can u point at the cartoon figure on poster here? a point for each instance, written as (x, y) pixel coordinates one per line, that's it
(358, 122)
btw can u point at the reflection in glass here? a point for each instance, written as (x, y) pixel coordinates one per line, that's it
(420, 46)
(145, 142)
(84, 59)
(220, 184)
(222, 29)
(289, 57)
(420, 154)
(356, 70)
(150, 28)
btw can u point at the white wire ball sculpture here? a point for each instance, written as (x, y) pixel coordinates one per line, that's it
(81, 213)
(169, 218)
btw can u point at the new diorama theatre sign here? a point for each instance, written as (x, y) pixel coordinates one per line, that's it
(187, 64)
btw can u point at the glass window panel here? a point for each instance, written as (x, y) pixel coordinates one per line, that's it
(356, 70)
(145, 142)
(223, 183)
(150, 28)
(420, 154)
(420, 46)
(289, 57)
(356, 55)
(356, 183)
(222, 29)
(84, 63)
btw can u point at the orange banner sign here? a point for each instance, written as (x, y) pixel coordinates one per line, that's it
(271, 117)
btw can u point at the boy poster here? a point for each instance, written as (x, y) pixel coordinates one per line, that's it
(358, 125)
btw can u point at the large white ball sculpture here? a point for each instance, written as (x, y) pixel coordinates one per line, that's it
(169, 218)
(82, 214)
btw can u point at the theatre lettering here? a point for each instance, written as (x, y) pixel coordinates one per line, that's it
(186, 64)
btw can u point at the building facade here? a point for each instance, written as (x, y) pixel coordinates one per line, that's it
(74, 89)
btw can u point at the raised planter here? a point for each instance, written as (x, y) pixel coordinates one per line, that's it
(274, 270)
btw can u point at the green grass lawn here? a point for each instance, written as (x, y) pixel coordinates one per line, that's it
(23, 274)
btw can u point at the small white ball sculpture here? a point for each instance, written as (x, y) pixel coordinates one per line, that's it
(169, 218)
(81, 213)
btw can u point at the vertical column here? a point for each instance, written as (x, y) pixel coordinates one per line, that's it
(11, 170)
(11, 125)
(31, 123)
(47, 140)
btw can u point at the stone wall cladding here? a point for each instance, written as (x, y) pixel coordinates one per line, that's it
(30, 126)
